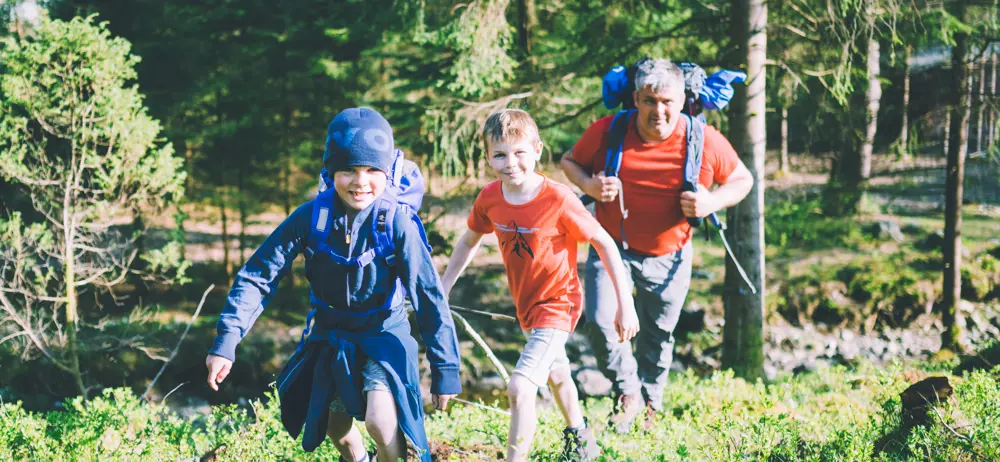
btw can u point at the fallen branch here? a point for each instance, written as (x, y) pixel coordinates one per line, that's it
(482, 344)
(177, 347)
(499, 316)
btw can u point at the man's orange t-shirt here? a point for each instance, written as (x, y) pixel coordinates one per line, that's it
(652, 175)
(538, 241)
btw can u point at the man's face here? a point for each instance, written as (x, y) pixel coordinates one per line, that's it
(513, 161)
(658, 111)
(359, 186)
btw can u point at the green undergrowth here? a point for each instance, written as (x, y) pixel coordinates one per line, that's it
(834, 413)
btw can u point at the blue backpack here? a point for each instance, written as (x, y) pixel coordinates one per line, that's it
(713, 93)
(405, 190)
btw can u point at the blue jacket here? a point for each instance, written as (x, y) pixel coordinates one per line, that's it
(329, 362)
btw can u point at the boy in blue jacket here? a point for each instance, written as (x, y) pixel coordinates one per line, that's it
(358, 359)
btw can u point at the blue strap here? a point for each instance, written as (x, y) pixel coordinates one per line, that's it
(320, 304)
(616, 142)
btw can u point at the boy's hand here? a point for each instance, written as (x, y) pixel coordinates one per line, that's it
(441, 401)
(218, 369)
(626, 323)
(603, 188)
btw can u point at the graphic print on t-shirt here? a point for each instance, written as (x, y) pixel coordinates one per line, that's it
(515, 235)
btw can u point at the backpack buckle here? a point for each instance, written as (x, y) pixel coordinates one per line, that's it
(390, 259)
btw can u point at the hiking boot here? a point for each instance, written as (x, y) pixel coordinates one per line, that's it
(369, 457)
(580, 445)
(628, 408)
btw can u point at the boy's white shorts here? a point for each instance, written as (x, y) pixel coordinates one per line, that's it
(544, 352)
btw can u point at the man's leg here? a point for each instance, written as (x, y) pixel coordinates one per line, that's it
(346, 437)
(661, 289)
(615, 360)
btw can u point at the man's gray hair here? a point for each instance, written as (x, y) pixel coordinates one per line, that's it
(659, 74)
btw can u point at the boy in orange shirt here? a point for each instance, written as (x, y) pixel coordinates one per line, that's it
(539, 223)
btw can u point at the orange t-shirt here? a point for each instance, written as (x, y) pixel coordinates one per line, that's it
(538, 241)
(652, 175)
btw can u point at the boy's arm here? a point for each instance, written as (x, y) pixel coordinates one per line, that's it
(256, 282)
(417, 272)
(626, 321)
(461, 255)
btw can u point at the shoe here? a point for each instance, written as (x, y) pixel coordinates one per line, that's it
(628, 408)
(369, 457)
(580, 445)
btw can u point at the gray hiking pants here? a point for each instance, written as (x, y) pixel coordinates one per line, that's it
(661, 284)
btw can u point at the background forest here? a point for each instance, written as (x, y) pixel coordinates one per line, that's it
(147, 147)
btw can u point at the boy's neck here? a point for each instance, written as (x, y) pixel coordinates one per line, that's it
(524, 192)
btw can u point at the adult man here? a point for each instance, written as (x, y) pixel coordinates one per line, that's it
(655, 239)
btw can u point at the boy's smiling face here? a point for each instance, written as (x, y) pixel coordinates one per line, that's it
(513, 160)
(359, 186)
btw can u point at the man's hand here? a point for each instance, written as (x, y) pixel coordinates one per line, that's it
(626, 323)
(699, 204)
(441, 401)
(218, 369)
(603, 188)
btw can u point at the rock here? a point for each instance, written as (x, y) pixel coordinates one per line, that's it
(703, 274)
(591, 382)
(919, 397)
(887, 230)
(912, 228)
(933, 240)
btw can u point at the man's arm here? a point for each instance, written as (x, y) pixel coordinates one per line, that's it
(600, 187)
(704, 202)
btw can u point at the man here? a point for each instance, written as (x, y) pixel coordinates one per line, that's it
(655, 239)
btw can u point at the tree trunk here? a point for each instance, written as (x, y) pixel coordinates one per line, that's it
(993, 92)
(961, 100)
(947, 130)
(873, 97)
(743, 334)
(69, 273)
(225, 239)
(784, 167)
(904, 131)
(981, 104)
(242, 205)
(527, 21)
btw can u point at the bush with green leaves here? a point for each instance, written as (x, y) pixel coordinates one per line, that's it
(76, 138)
(836, 413)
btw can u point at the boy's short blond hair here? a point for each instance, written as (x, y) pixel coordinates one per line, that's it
(509, 124)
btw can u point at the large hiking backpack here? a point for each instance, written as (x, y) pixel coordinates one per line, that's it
(711, 92)
(405, 195)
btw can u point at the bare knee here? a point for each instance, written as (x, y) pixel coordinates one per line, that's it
(521, 391)
(380, 417)
(339, 426)
(559, 377)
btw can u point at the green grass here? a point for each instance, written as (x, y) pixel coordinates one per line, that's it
(833, 414)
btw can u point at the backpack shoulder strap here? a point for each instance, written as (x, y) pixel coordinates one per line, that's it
(322, 219)
(382, 229)
(693, 158)
(616, 141)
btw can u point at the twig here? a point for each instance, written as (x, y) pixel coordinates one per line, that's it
(178, 346)
(164, 400)
(482, 344)
(503, 317)
(481, 406)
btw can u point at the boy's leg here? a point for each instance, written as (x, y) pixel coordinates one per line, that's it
(615, 360)
(382, 423)
(346, 437)
(566, 396)
(523, 419)
(545, 347)
(660, 292)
